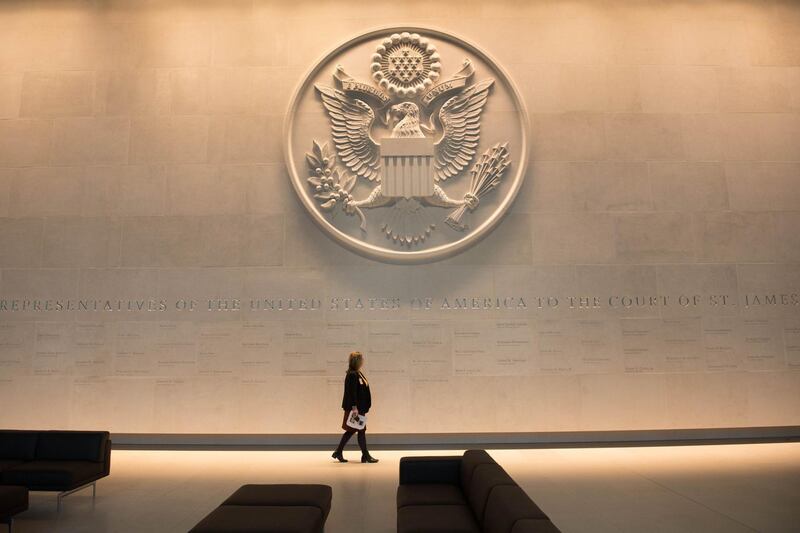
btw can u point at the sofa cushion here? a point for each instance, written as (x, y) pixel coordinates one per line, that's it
(470, 460)
(535, 525)
(52, 475)
(72, 445)
(261, 519)
(436, 519)
(506, 506)
(5, 465)
(429, 495)
(13, 500)
(485, 478)
(438, 470)
(18, 444)
(283, 495)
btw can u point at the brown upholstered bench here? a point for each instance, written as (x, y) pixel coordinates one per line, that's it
(58, 461)
(467, 494)
(13, 500)
(270, 508)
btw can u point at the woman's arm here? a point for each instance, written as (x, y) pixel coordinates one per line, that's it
(351, 382)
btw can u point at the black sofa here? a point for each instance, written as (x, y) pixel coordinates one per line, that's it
(467, 494)
(13, 500)
(61, 461)
(270, 509)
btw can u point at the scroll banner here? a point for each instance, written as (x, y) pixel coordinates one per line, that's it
(457, 82)
(440, 89)
(352, 86)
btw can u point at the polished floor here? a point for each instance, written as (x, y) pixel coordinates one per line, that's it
(731, 489)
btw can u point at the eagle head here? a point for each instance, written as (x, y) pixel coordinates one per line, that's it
(403, 110)
(405, 118)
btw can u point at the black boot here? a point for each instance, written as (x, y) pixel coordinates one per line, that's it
(362, 443)
(338, 455)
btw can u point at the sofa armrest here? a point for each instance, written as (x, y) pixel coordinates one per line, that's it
(107, 458)
(430, 470)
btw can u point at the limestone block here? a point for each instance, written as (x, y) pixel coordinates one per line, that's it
(25, 142)
(21, 242)
(768, 290)
(735, 236)
(573, 238)
(64, 93)
(704, 136)
(568, 136)
(132, 91)
(81, 242)
(706, 40)
(623, 291)
(10, 94)
(173, 43)
(654, 237)
(671, 89)
(42, 285)
(179, 139)
(624, 400)
(203, 190)
(788, 238)
(686, 186)
(755, 89)
(708, 290)
(644, 136)
(268, 188)
(90, 140)
(246, 139)
(763, 186)
(47, 191)
(509, 244)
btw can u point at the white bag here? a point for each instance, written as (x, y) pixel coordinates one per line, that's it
(357, 422)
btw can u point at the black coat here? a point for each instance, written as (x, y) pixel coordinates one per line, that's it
(356, 392)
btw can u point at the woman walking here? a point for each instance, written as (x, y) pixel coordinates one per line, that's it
(357, 400)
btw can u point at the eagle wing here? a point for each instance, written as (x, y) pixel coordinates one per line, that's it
(461, 120)
(351, 122)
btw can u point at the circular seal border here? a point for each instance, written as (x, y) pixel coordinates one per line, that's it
(372, 251)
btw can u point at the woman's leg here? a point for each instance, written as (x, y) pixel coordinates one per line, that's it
(342, 443)
(348, 432)
(362, 443)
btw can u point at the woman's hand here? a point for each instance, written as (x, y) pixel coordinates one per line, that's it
(354, 410)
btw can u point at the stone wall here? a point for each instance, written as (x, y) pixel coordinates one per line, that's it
(647, 276)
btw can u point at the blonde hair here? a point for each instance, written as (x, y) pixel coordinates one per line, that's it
(354, 361)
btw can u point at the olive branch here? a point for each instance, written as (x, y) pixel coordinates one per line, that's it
(331, 186)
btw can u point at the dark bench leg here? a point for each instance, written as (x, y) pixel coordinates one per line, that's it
(8, 521)
(62, 495)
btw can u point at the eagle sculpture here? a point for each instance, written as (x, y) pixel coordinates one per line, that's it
(448, 139)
